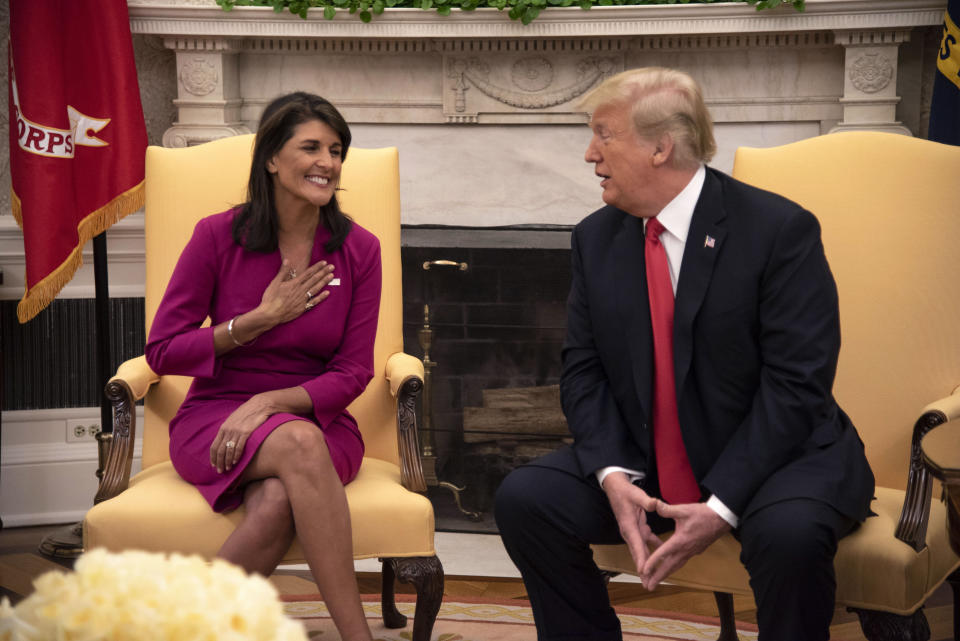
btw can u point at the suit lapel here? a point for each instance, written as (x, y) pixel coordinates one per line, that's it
(633, 305)
(704, 242)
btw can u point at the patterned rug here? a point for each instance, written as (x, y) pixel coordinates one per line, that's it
(465, 619)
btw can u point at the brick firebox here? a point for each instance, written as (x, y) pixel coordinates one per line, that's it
(498, 324)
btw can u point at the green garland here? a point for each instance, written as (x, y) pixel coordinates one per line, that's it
(523, 10)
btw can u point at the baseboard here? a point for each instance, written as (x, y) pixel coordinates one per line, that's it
(47, 470)
(44, 518)
(38, 453)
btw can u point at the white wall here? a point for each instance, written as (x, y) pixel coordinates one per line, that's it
(48, 473)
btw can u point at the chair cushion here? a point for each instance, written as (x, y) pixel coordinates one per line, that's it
(875, 571)
(161, 512)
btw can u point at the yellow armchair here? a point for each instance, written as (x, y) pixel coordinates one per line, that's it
(158, 511)
(887, 205)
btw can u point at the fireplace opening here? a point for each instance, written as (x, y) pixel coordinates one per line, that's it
(487, 308)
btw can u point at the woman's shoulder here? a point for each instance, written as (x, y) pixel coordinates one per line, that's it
(218, 227)
(221, 222)
(214, 233)
(361, 238)
(361, 249)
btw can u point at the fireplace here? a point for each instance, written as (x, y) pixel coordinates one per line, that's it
(496, 321)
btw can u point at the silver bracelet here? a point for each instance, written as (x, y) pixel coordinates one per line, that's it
(232, 337)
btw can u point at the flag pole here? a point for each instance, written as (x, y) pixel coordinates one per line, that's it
(104, 364)
(67, 542)
(1, 379)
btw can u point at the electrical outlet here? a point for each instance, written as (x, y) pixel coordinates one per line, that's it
(82, 431)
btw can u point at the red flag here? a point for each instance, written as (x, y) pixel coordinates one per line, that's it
(77, 134)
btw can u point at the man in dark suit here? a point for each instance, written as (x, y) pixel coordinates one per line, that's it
(702, 342)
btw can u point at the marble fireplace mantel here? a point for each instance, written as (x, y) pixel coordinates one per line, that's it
(414, 67)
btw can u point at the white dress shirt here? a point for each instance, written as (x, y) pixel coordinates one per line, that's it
(675, 218)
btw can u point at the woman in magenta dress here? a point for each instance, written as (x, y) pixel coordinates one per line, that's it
(292, 288)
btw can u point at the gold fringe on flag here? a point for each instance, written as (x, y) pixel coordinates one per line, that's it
(35, 299)
(15, 203)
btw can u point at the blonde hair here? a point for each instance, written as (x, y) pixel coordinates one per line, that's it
(661, 101)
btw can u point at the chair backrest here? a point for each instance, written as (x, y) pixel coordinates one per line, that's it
(184, 185)
(891, 227)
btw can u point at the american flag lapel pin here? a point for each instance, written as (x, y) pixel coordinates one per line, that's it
(709, 241)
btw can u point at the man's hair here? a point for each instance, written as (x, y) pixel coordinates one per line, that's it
(661, 101)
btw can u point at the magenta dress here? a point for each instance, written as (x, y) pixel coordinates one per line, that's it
(327, 350)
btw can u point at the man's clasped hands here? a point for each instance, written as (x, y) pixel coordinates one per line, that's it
(697, 526)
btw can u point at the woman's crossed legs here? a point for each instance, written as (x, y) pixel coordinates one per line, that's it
(292, 486)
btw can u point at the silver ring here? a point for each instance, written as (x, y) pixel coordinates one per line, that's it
(231, 444)
(309, 295)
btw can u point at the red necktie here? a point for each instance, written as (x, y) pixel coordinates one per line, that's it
(677, 483)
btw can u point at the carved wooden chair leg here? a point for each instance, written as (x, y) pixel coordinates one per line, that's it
(954, 581)
(392, 618)
(426, 575)
(728, 623)
(885, 626)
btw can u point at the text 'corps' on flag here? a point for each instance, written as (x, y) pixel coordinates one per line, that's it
(77, 134)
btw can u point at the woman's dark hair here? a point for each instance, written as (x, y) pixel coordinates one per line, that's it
(255, 226)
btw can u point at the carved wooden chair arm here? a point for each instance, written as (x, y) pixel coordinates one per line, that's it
(912, 526)
(137, 375)
(405, 374)
(130, 384)
(401, 368)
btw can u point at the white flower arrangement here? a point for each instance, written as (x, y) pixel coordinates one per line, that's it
(142, 596)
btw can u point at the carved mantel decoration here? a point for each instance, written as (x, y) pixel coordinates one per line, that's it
(871, 72)
(517, 81)
(870, 88)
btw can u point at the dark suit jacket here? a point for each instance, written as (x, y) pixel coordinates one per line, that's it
(756, 337)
